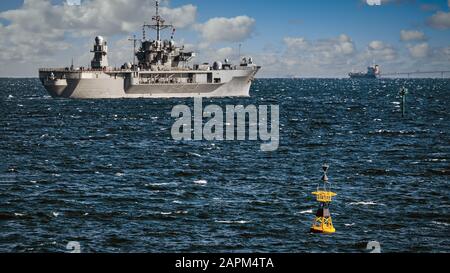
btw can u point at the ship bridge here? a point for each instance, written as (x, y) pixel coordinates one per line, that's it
(161, 54)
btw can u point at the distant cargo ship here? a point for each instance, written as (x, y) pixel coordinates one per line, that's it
(373, 72)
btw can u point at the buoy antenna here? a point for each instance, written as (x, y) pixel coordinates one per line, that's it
(325, 168)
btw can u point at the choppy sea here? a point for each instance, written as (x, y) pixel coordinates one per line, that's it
(107, 173)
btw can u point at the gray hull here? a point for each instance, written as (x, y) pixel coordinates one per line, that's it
(116, 85)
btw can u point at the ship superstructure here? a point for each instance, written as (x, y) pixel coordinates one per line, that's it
(160, 69)
(373, 72)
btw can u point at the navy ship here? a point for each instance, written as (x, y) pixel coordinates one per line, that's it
(373, 72)
(162, 71)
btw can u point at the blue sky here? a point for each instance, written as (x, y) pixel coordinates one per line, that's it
(293, 33)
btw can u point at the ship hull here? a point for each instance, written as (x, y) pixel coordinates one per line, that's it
(118, 85)
(363, 77)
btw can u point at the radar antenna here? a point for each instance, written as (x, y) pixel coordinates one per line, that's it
(173, 34)
(143, 31)
(159, 24)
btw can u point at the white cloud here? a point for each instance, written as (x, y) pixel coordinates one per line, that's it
(385, 2)
(180, 17)
(419, 50)
(321, 51)
(309, 58)
(376, 45)
(222, 29)
(210, 54)
(225, 53)
(412, 35)
(40, 28)
(43, 33)
(94, 17)
(380, 51)
(296, 43)
(331, 57)
(345, 45)
(342, 44)
(440, 20)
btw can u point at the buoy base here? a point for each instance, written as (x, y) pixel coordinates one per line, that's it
(319, 230)
(323, 225)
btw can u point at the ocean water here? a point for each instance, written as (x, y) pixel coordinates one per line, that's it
(108, 175)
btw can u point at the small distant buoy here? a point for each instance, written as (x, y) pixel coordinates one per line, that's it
(323, 222)
(403, 93)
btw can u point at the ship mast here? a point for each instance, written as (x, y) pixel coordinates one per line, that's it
(134, 40)
(159, 24)
(158, 19)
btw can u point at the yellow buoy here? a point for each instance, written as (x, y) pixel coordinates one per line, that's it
(323, 222)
